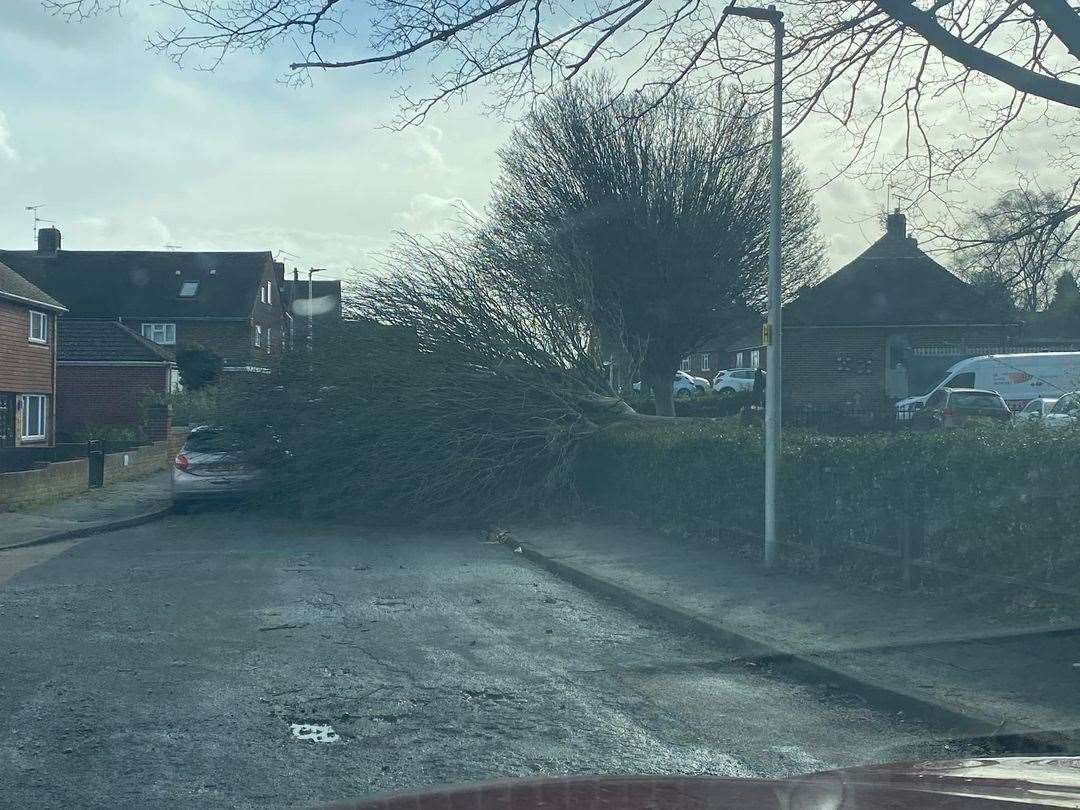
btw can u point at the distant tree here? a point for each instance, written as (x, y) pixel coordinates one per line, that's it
(1022, 240)
(199, 367)
(662, 204)
(1066, 294)
(994, 288)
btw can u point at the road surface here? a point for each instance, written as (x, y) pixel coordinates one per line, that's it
(175, 664)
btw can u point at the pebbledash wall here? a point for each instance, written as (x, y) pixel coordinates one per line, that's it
(63, 479)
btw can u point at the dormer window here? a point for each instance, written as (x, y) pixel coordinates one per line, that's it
(188, 289)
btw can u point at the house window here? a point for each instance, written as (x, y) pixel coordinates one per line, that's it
(706, 361)
(39, 327)
(685, 364)
(188, 289)
(269, 292)
(258, 335)
(175, 386)
(755, 358)
(269, 338)
(163, 333)
(33, 416)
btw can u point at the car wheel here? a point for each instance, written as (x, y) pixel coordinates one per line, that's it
(682, 393)
(726, 391)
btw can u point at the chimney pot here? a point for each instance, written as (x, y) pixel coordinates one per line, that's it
(896, 225)
(48, 240)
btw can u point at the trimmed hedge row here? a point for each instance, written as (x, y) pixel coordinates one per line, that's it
(999, 500)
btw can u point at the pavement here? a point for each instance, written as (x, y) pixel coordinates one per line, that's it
(197, 660)
(986, 664)
(117, 503)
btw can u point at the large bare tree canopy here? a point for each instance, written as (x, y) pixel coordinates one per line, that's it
(925, 90)
(662, 203)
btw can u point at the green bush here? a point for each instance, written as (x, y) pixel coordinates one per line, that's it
(199, 366)
(993, 499)
(710, 405)
(197, 407)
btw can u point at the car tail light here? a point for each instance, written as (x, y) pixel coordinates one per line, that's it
(180, 462)
(948, 412)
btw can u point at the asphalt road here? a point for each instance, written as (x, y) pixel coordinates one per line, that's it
(166, 665)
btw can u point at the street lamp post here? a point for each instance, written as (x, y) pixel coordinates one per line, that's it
(772, 329)
(310, 325)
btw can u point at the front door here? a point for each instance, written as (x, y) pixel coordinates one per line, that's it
(7, 420)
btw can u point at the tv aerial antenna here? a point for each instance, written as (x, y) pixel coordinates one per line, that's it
(34, 210)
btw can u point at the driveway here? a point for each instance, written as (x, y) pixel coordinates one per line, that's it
(169, 664)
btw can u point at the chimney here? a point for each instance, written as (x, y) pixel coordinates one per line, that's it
(48, 240)
(896, 225)
(295, 274)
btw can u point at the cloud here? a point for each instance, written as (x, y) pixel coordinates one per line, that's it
(428, 213)
(425, 140)
(6, 149)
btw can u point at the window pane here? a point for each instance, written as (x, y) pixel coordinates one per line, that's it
(188, 289)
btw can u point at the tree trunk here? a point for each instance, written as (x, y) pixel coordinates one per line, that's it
(663, 397)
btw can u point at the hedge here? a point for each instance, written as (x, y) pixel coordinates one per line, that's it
(994, 499)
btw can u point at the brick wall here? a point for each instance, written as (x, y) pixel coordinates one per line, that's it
(64, 479)
(109, 396)
(834, 366)
(27, 367)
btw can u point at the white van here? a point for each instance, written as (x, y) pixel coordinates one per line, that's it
(1019, 378)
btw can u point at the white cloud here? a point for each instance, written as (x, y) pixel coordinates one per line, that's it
(429, 213)
(6, 149)
(424, 142)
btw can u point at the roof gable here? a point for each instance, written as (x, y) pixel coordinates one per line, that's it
(109, 284)
(892, 282)
(15, 287)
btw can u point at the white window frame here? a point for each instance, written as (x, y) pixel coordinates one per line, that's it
(41, 318)
(167, 332)
(193, 284)
(269, 292)
(258, 336)
(41, 408)
(706, 361)
(269, 338)
(755, 358)
(684, 364)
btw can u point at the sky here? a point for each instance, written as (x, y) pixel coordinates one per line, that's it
(125, 150)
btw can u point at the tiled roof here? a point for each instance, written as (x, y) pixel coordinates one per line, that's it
(15, 287)
(893, 282)
(110, 283)
(106, 341)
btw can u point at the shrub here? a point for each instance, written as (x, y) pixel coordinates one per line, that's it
(992, 499)
(709, 405)
(199, 367)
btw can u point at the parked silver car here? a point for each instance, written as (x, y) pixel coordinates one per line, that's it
(211, 465)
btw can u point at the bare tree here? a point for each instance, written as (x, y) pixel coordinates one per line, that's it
(891, 75)
(1023, 242)
(663, 206)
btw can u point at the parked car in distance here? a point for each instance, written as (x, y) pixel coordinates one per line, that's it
(1017, 377)
(211, 465)
(1035, 410)
(683, 385)
(954, 407)
(698, 385)
(1065, 413)
(734, 380)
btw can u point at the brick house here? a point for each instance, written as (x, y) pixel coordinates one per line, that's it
(230, 302)
(28, 339)
(885, 326)
(104, 373)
